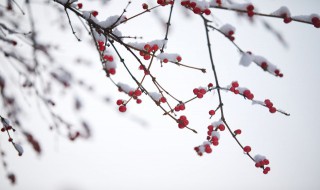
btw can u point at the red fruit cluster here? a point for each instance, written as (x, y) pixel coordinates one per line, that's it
(142, 67)
(212, 137)
(206, 148)
(148, 48)
(180, 107)
(101, 46)
(230, 35)
(199, 92)
(6, 128)
(277, 73)
(269, 105)
(286, 18)
(248, 94)
(234, 86)
(122, 106)
(194, 8)
(266, 170)
(316, 22)
(135, 94)
(165, 2)
(182, 122)
(262, 163)
(250, 9)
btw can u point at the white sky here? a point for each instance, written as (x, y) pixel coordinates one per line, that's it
(123, 154)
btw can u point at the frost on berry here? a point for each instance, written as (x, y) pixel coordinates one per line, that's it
(228, 30)
(19, 148)
(284, 13)
(172, 57)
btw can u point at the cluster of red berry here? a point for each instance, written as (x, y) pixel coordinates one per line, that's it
(199, 92)
(148, 49)
(195, 8)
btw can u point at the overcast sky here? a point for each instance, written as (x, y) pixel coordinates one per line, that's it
(143, 150)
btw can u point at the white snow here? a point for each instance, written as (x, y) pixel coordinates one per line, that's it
(246, 59)
(282, 10)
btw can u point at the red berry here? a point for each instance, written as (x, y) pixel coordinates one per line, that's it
(200, 95)
(144, 6)
(247, 149)
(79, 5)
(266, 162)
(146, 57)
(193, 4)
(221, 127)
(147, 47)
(182, 107)
(179, 58)
(160, 2)
(181, 125)
(246, 93)
(141, 53)
(287, 20)
(183, 117)
(210, 85)
(102, 47)
(112, 71)
(235, 84)
(264, 65)
(195, 91)
(155, 47)
(137, 92)
(207, 11)
(230, 33)
(237, 132)
(94, 13)
(202, 91)
(122, 108)
(138, 101)
(119, 102)
(210, 128)
(3, 129)
(250, 96)
(208, 149)
(250, 7)
(250, 13)
(212, 112)
(197, 10)
(163, 100)
(272, 110)
(215, 142)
